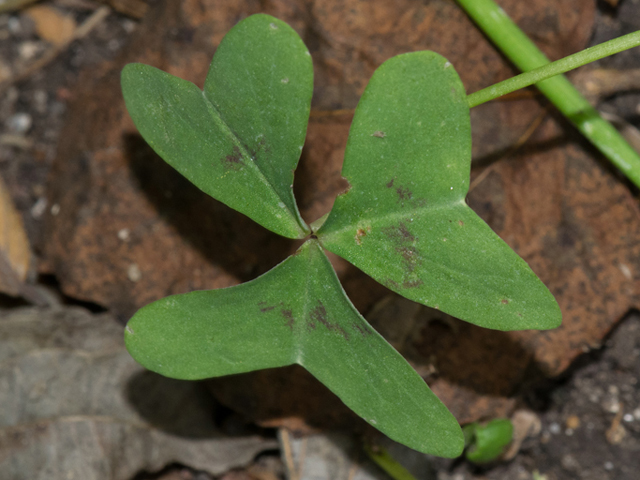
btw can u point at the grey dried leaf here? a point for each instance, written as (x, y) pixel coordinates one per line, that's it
(76, 405)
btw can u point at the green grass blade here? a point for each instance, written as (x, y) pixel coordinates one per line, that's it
(518, 48)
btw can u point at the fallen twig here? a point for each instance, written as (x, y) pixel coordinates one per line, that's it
(601, 83)
(16, 140)
(288, 455)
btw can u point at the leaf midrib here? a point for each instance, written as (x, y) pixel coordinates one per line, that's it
(397, 215)
(218, 119)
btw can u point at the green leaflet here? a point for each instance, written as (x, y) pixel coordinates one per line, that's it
(295, 313)
(404, 220)
(239, 140)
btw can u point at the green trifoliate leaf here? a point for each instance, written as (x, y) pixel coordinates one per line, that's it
(239, 140)
(295, 313)
(404, 220)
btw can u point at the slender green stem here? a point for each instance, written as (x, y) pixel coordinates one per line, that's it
(515, 44)
(552, 69)
(389, 464)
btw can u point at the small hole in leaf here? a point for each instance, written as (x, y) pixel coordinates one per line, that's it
(273, 25)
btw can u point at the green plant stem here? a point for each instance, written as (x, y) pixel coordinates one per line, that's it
(516, 46)
(552, 69)
(384, 460)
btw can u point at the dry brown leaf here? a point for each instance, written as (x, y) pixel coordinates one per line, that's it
(15, 254)
(51, 24)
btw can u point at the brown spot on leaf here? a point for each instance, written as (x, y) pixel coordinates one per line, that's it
(319, 315)
(379, 134)
(266, 309)
(262, 147)
(288, 316)
(234, 161)
(403, 241)
(399, 234)
(390, 184)
(460, 222)
(361, 232)
(361, 329)
(406, 234)
(409, 257)
(404, 194)
(391, 284)
(412, 283)
(504, 301)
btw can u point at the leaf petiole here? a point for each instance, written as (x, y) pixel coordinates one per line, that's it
(552, 69)
(385, 460)
(525, 55)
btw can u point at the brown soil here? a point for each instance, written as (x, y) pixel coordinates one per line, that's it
(590, 415)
